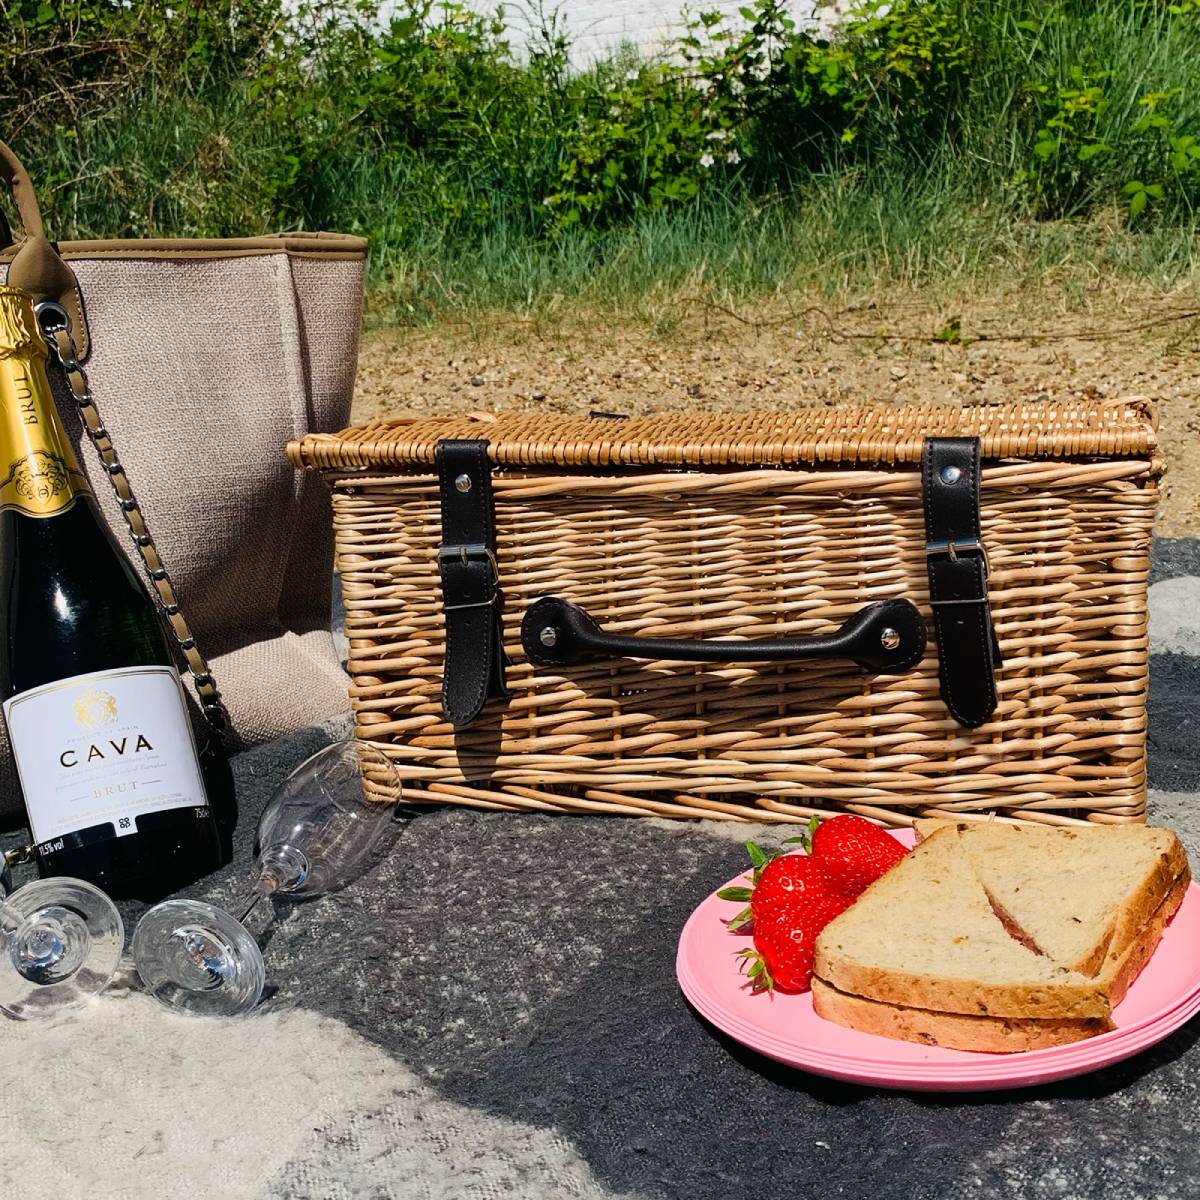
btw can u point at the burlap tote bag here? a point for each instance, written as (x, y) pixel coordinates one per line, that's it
(205, 358)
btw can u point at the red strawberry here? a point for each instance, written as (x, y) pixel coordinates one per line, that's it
(786, 882)
(854, 853)
(776, 878)
(782, 957)
(790, 903)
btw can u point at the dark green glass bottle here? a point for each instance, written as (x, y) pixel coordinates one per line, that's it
(95, 709)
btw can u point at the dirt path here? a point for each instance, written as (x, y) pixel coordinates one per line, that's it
(715, 361)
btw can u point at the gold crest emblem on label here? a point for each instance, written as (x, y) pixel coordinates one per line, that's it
(95, 708)
(39, 479)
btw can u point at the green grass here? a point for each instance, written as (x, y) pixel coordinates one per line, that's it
(845, 238)
(947, 146)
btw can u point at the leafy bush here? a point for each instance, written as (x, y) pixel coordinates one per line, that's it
(66, 60)
(430, 134)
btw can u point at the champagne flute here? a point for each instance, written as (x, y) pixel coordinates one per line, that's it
(61, 941)
(324, 827)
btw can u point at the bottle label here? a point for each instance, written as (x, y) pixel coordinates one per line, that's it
(104, 749)
(39, 473)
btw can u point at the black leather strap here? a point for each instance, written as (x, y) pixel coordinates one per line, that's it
(475, 661)
(968, 650)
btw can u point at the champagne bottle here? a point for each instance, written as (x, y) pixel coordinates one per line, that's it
(95, 708)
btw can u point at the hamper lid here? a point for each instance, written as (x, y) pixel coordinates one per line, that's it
(846, 434)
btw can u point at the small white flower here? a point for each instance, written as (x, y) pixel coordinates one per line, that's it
(761, 69)
(614, 110)
(733, 157)
(170, 13)
(699, 83)
(737, 87)
(707, 160)
(630, 76)
(717, 135)
(547, 201)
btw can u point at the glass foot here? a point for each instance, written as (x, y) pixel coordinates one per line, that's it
(65, 947)
(197, 959)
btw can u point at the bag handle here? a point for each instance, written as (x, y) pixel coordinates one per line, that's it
(885, 637)
(37, 267)
(20, 187)
(56, 330)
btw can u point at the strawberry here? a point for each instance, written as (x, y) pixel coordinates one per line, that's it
(790, 903)
(781, 873)
(785, 883)
(854, 853)
(782, 957)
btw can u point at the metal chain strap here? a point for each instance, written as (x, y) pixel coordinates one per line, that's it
(56, 330)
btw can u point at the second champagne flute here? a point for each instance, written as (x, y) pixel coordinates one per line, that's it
(324, 827)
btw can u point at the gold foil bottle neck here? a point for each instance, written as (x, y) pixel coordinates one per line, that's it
(39, 474)
(19, 333)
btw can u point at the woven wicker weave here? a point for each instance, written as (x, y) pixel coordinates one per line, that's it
(776, 525)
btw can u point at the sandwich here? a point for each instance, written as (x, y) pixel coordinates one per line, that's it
(1000, 938)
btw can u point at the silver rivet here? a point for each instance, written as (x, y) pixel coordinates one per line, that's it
(889, 639)
(950, 474)
(548, 636)
(463, 483)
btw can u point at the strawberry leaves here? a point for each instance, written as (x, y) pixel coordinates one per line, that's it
(806, 838)
(755, 968)
(758, 858)
(736, 893)
(744, 921)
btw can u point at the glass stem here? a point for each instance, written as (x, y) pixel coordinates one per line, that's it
(251, 902)
(267, 884)
(281, 869)
(10, 921)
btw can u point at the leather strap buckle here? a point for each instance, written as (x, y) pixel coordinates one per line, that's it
(953, 550)
(958, 546)
(472, 552)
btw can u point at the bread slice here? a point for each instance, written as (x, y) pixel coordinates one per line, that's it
(1121, 969)
(954, 1031)
(996, 1035)
(925, 936)
(1074, 893)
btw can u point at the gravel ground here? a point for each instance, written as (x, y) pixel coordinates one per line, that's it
(714, 359)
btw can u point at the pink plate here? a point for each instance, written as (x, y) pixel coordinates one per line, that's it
(1164, 997)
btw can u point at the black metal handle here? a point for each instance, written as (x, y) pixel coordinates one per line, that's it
(885, 637)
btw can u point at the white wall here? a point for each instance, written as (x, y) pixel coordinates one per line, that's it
(597, 27)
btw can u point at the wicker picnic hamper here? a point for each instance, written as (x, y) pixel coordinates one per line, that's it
(810, 529)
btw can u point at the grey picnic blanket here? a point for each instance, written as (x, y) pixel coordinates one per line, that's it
(492, 1012)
